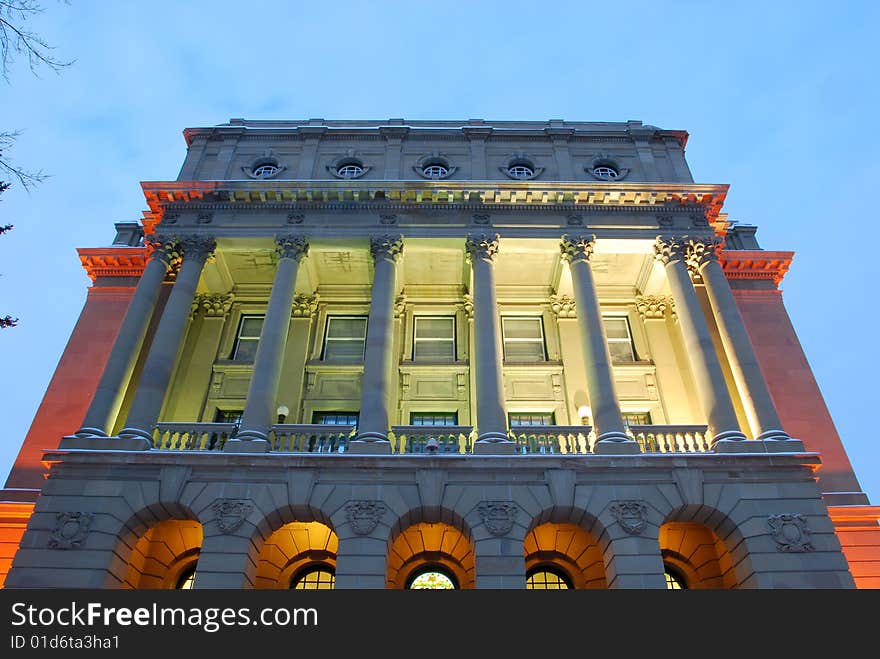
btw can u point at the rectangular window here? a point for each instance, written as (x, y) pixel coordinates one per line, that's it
(523, 339)
(620, 343)
(345, 338)
(637, 418)
(228, 416)
(335, 418)
(520, 419)
(433, 419)
(247, 338)
(434, 338)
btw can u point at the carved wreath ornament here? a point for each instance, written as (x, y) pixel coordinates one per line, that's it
(231, 513)
(364, 515)
(790, 532)
(631, 515)
(498, 516)
(70, 530)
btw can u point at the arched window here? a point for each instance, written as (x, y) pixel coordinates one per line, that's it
(314, 577)
(547, 578)
(432, 577)
(674, 579)
(187, 578)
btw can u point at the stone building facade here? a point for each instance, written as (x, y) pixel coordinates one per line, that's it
(399, 354)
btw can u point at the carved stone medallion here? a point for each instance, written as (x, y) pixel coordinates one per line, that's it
(498, 516)
(70, 530)
(231, 513)
(631, 515)
(364, 515)
(790, 532)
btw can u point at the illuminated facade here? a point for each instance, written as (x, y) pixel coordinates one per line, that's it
(353, 354)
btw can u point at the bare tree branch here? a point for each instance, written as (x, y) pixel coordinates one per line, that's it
(26, 178)
(17, 41)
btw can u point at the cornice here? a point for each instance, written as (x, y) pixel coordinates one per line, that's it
(164, 196)
(113, 261)
(756, 264)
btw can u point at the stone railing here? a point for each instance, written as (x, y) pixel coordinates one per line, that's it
(192, 436)
(672, 439)
(309, 438)
(418, 439)
(552, 440)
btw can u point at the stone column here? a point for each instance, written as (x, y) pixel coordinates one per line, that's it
(373, 423)
(108, 396)
(487, 355)
(758, 404)
(166, 342)
(706, 369)
(259, 410)
(611, 436)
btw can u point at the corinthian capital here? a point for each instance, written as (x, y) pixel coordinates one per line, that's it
(670, 250)
(386, 248)
(291, 247)
(482, 246)
(212, 305)
(654, 306)
(577, 248)
(197, 247)
(166, 250)
(304, 305)
(700, 253)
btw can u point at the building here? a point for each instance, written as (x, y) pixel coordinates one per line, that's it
(390, 354)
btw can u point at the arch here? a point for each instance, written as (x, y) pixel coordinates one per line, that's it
(440, 545)
(568, 548)
(703, 551)
(293, 548)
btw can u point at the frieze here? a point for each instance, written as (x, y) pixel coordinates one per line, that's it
(790, 532)
(231, 513)
(364, 515)
(631, 515)
(498, 516)
(70, 530)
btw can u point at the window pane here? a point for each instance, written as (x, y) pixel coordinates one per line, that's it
(246, 349)
(433, 419)
(434, 328)
(434, 350)
(524, 351)
(519, 419)
(522, 328)
(344, 351)
(346, 328)
(335, 418)
(621, 351)
(251, 326)
(615, 328)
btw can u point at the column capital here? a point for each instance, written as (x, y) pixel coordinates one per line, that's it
(305, 306)
(482, 246)
(196, 247)
(212, 305)
(670, 249)
(386, 248)
(165, 250)
(563, 306)
(699, 253)
(654, 307)
(577, 248)
(291, 246)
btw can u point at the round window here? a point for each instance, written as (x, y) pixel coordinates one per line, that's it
(265, 171)
(350, 170)
(544, 578)
(432, 578)
(605, 172)
(520, 171)
(674, 580)
(435, 170)
(321, 577)
(186, 579)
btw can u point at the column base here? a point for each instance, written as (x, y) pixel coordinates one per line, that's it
(369, 446)
(86, 431)
(775, 435)
(239, 445)
(132, 433)
(494, 443)
(617, 447)
(252, 434)
(105, 443)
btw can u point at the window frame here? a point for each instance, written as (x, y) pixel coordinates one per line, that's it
(338, 413)
(327, 338)
(313, 568)
(558, 572)
(452, 415)
(550, 415)
(542, 340)
(629, 340)
(236, 343)
(452, 338)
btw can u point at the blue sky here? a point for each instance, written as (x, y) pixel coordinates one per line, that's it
(779, 98)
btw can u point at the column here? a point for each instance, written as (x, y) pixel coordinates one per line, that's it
(108, 396)
(758, 404)
(166, 342)
(608, 426)
(373, 423)
(259, 411)
(487, 354)
(706, 369)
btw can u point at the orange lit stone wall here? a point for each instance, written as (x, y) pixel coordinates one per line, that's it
(14, 517)
(859, 534)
